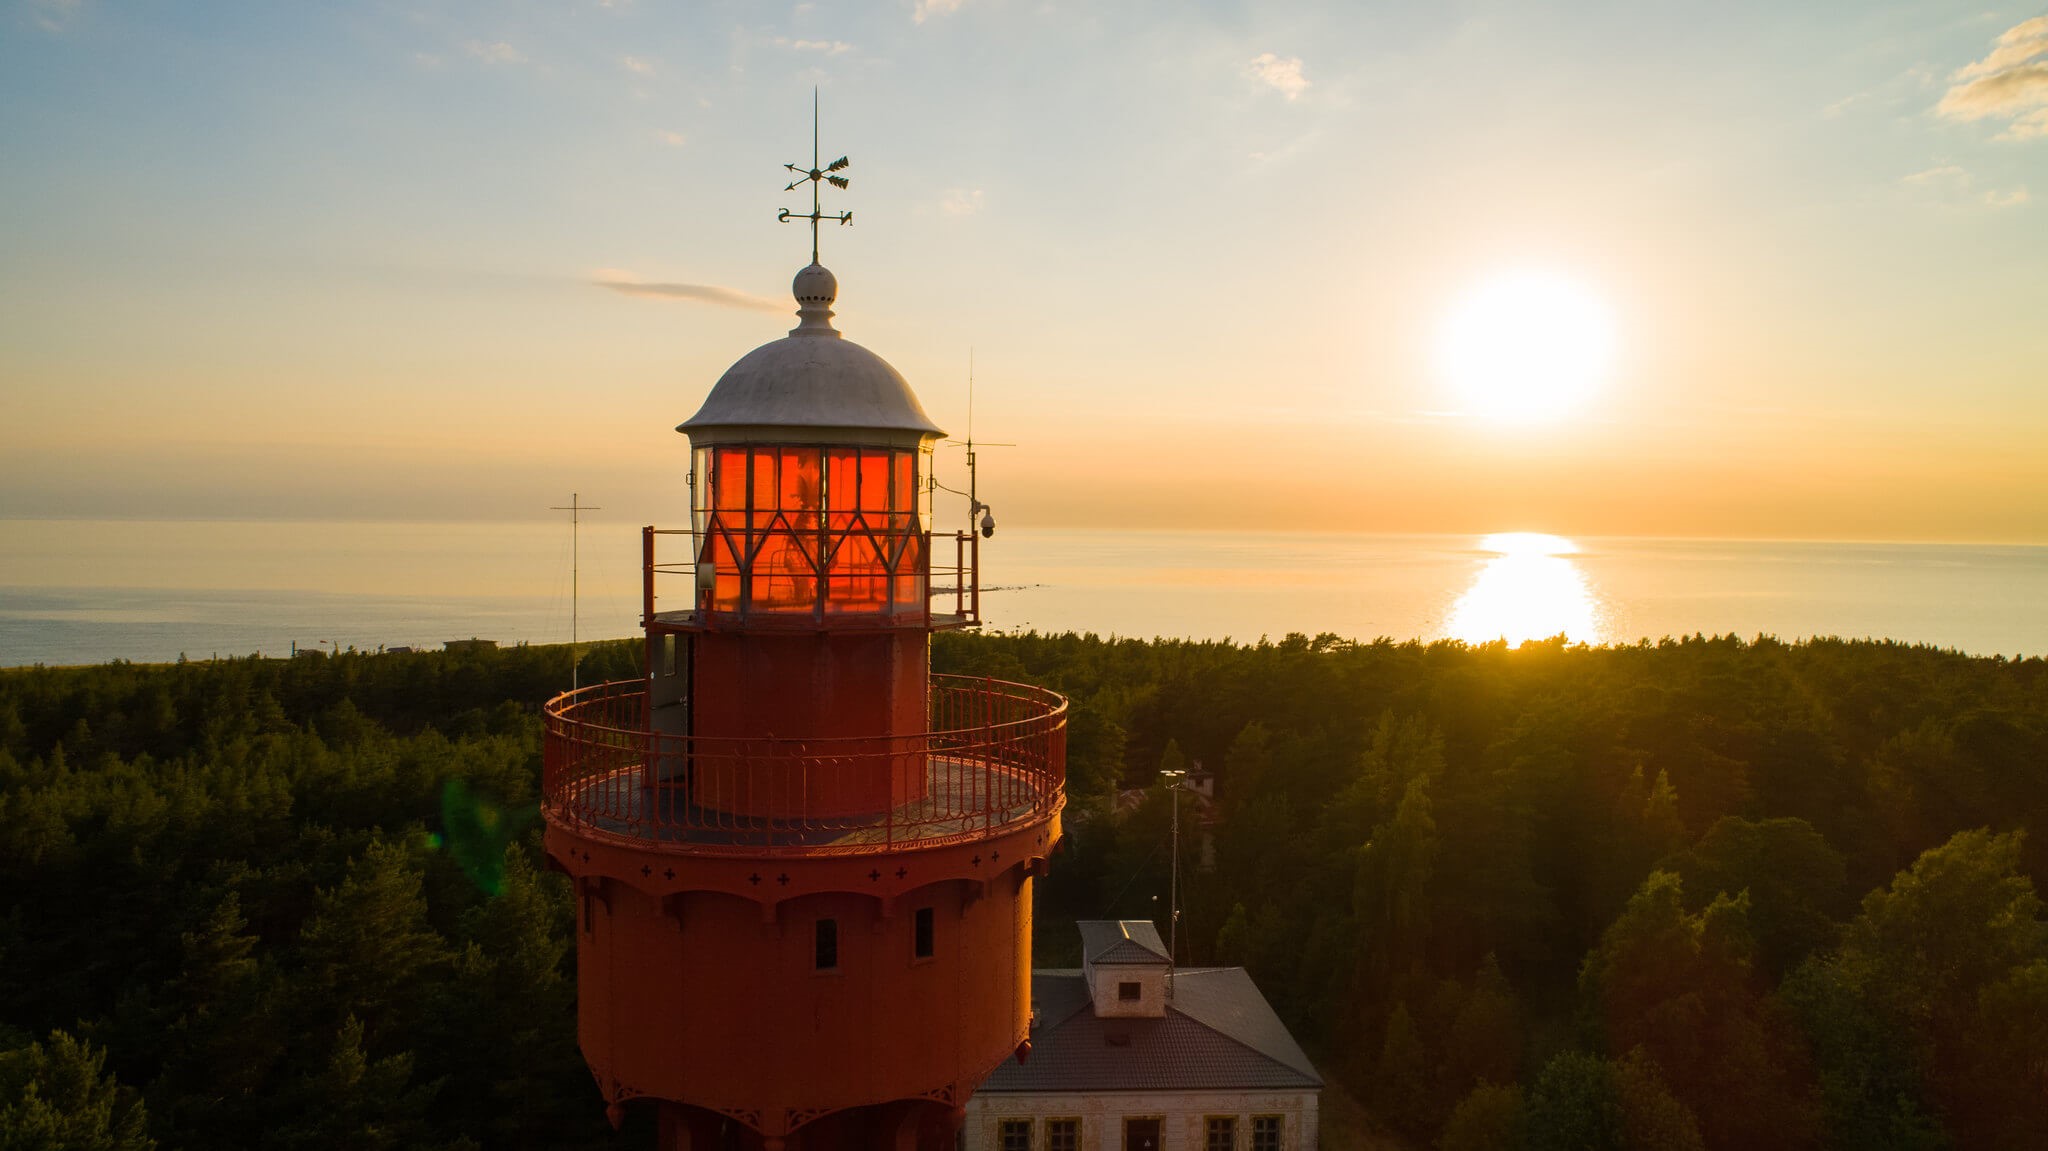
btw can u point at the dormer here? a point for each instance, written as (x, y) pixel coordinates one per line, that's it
(1126, 965)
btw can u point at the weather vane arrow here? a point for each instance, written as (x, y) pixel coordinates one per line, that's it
(816, 176)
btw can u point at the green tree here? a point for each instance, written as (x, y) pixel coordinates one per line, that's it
(1490, 1117)
(60, 1098)
(355, 1103)
(1794, 880)
(1485, 1039)
(1575, 1106)
(1679, 986)
(1401, 1079)
(1947, 960)
(1391, 896)
(368, 948)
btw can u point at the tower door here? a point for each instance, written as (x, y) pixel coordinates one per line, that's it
(669, 698)
(1141, 1135)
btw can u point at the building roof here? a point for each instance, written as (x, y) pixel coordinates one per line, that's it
(813, 379)
(1114, 941)
(1218, 1034)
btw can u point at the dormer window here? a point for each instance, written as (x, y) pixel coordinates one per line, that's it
(1130, 991)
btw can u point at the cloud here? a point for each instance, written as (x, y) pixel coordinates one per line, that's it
(627, 284)
(497, 52)
(51, 15)
(928, 7)
(1280, 73)
(828, 47)
(672, 139)
(637, 65)
(1955, 184)
(960, 201)
(2011, 83)
(1944, 174)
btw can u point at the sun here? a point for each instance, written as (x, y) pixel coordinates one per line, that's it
(1527, 346)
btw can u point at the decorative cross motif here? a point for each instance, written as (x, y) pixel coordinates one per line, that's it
(755, 879)
(901, 872)
(783, 879)
(875, 876)
(815, 176)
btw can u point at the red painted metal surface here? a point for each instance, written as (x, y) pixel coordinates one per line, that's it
(994, 755)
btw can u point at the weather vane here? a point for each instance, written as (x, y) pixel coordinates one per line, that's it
(816, 175)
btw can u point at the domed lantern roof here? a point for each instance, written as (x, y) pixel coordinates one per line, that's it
(813, 385)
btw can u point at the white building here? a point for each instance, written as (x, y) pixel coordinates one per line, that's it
(1129, 1054)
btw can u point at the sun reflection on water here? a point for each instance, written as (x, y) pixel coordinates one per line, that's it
(1530, 589)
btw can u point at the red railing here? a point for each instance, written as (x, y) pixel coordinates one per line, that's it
(994, 757)
(949, 596)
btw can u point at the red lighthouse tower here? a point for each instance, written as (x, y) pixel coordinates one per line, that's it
(802, 863)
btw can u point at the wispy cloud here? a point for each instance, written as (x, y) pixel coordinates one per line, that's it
(51, 15)
(931, 7)
(637, 65)
(627, 284)
(1956, 185)
(1280, 73)
(828, 47)
(672, 139)
(960, 201)
(2011, 83)
(496, 52)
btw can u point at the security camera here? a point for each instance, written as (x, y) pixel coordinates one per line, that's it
(988, 523)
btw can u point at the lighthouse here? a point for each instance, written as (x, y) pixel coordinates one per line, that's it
(802, 863)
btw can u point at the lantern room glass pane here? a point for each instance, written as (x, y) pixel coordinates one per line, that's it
(801, 529)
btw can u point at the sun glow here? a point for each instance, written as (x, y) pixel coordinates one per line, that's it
(1529, 589)
(1526, 346)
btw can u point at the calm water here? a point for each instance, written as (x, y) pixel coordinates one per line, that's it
(85, 592)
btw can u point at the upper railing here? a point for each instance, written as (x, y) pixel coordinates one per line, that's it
(994, 757)
(801, 579)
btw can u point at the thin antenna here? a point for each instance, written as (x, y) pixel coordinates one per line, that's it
(576, 507)
(816, 175)
(1173, 779)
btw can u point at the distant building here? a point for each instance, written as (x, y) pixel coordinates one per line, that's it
(1128, 1054)
(470, 645)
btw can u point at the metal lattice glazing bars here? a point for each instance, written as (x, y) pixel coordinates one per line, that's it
(798, 529)
(994, 754)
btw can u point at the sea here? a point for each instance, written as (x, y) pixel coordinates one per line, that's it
(83, 592)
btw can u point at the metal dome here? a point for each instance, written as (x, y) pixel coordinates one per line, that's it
(813, 379)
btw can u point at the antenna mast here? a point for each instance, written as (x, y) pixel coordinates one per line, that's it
(575, 507)
(1173, 779)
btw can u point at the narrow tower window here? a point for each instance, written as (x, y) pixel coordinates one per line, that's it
(923, 932)
(826, 950)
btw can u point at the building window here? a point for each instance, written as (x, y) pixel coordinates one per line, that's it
(922, 948)
(1013, 1135)
(1063, 1135)
(1129, 992)
(826, 951)
(1265, 1133)
(668, 653)
(1220, 1133)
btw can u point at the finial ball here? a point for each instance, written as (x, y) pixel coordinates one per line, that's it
(815, 285)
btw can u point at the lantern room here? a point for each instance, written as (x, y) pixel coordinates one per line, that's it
(810, 482)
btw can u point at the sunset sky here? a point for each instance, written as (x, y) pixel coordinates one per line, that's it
(452, 261)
